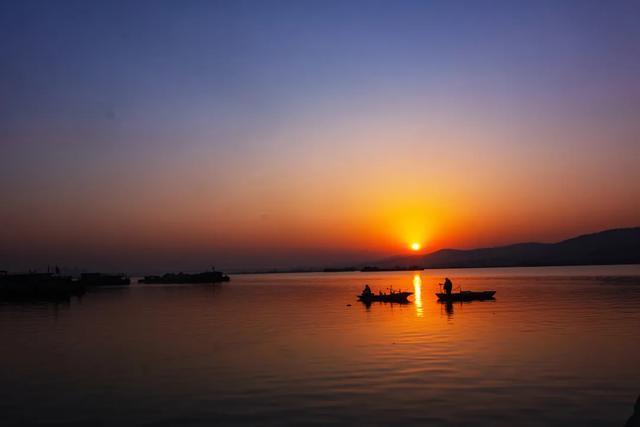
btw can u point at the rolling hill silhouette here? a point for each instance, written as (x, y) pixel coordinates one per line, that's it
(618, 246)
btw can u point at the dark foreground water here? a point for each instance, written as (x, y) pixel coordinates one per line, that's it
(558, 347)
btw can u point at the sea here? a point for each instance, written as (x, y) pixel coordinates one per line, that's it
(558, 346)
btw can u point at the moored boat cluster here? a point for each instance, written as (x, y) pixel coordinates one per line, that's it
(58, 287)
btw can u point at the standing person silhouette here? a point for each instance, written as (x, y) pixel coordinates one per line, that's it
(448, 286)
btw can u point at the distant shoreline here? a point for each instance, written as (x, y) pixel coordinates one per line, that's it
(620, 246)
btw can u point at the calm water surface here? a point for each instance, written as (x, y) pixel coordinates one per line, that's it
(558, 347)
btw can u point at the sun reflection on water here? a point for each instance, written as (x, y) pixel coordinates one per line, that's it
(417, 294)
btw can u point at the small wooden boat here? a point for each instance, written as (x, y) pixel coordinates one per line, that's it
(466, 296)
(398, 297)
(212, 276)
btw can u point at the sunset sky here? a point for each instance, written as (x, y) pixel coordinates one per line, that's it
(153, 136)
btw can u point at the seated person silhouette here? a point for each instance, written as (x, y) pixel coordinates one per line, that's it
(367, 291)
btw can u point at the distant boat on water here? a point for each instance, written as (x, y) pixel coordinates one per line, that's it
(212, 276)
(35, 286)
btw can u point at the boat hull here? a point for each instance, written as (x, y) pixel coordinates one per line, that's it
(466, 296)
(183, 278)
(38, 286)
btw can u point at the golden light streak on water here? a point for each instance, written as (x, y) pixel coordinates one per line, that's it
(417, 294)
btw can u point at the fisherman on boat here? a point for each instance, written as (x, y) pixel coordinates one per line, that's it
(367, 296)
(367, 291)
(448, 286)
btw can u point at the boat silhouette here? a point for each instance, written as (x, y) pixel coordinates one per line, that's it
(212, 276)
(38, 286)
(397, 297)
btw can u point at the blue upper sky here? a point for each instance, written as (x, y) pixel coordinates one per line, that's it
(176, 59)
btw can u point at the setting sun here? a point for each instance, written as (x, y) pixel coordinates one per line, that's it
(415, 246)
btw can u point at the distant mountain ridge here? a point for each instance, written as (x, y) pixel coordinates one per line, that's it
(617, 246)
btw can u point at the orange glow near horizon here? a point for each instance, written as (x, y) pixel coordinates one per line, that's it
(269, 219)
